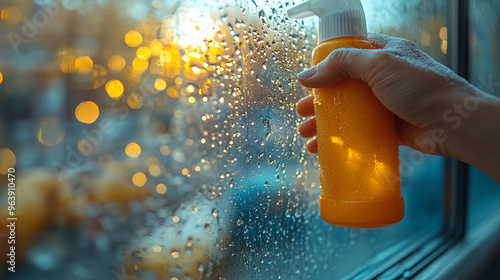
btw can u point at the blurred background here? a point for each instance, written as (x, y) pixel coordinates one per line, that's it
(158, 140)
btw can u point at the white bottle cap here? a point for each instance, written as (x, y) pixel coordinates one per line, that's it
(337, 18)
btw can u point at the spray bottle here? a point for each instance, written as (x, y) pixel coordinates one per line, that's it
(357, 139)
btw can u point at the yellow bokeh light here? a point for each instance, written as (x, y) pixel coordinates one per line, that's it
(157, 248)
(7, 160)
(1, 78)
(10, 15)
(444, 46)
(190, 89)
(114, 88)
(195, 70)
(165, 150)
(337, 140)
(140, 65)
(155, 66)
(191, 99)
(175, 254)
(173, 92)
(185, 171)
(133, 38)
(67, 63)
(139, 179)
(143, 53)
(166, 57)
(156, 48)
(161, 188)
(83, 65)
(178, 80)
(425, 38)
(134, 101)
(87, 112)
(154, 170)
(50, 132)
(443, 33)
(160, 84)
(116, 63)
(133, 150)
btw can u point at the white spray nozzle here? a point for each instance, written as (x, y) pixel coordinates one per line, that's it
(338, 18)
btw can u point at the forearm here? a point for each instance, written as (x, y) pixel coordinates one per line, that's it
(474, 132)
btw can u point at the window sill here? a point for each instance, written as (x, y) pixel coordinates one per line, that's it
(471, 257)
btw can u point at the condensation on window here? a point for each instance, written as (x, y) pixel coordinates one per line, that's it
(484, 74)
(158, 140)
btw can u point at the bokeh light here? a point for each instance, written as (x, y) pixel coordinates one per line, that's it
(161, 188)
(154, 170)
(67, 59)
(133, 150)
(50, 132)
(425, 38)
(10, 15)
(114, 88)
(143, 53)
(160, 84)
(116, 63)
(87, 112)
(134, 101)
(157, 248)
(83, 65)
(173, 92)
(133, 38)
(156, 48)
(139, 179)
(443, 33)
(140, 65)
(7, 160)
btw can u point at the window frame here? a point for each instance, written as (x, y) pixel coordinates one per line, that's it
(476, 248)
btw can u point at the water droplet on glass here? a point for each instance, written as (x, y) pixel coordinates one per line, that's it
(336, 100)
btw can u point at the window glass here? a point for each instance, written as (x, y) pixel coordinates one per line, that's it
(158, 140)
(484, 193)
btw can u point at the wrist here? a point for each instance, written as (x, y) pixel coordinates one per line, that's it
(472, 124)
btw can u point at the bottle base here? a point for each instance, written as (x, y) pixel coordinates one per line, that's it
(362, 214)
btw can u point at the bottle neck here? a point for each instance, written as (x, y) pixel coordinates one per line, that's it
(342, 24)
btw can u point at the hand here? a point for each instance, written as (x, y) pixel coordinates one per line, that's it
(408, 82)
(437, 111)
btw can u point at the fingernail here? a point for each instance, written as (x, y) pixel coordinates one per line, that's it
(306, 74)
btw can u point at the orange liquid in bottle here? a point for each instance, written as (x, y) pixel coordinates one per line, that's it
(357, 150)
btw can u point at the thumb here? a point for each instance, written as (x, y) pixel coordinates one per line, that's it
(339, 64)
